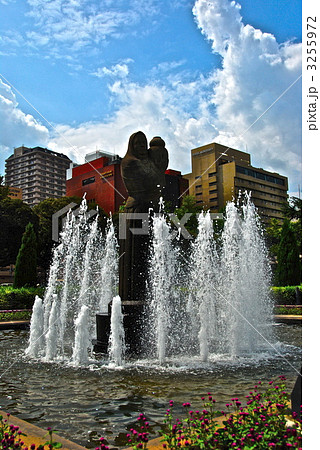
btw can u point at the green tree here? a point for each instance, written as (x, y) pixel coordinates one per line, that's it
(4, 190)
(293, 208)
(25, 274)
(14, 217)
(189, 205)
(273, 235)
(44, 211)
(288, 271)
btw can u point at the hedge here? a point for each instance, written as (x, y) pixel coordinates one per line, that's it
(22, 298)
(285, 295)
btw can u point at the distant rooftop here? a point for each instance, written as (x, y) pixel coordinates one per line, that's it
(99, 154)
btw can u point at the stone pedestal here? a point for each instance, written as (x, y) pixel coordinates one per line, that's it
(133, 318)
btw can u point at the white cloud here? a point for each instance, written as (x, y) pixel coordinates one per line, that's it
(219, 106)
(78, 24)
(17, 128)
(153, 109)
(119, 70)
(255, 71)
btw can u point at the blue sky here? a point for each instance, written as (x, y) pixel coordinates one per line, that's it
(80, 75)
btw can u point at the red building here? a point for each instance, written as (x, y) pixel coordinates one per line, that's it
(100, 178)
(176, 188)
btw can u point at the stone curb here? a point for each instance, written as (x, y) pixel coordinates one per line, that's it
(15, 325)
(288, 319)
(36, 435)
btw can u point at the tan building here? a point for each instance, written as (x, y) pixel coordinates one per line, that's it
(39, 172)
(219, 173)
(15, 193)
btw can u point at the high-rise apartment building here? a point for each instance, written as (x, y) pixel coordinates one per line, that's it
(39, 172)
(219, 173)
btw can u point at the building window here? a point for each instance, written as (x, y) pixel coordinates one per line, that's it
(259, 175)
(213, 183)
(212, 174)
(198, 193)
(198, 185)
(213, 191)
(88, 181)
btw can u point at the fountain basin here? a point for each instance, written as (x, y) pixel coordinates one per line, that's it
(84, 403)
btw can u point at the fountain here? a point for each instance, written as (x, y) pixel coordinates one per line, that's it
(212, 300)
(224, 308)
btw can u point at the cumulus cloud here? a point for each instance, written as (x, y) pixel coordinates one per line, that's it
(155, 110)
(119, 70)
(221, 106)
(255, 71)
(17, 128)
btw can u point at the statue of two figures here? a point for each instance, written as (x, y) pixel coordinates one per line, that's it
(143, 173)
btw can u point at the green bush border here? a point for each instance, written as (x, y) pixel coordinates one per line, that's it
(22, 298)
(285, 295)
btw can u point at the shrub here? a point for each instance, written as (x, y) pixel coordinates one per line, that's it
(23, 298)
(287, 310)
(285, 295)
(9, 315)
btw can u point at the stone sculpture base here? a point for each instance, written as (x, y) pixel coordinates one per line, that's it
(133, 315)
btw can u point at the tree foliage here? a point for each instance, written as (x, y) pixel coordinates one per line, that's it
(44, 211)
(288, 271)
(14, 217)
(293, 212)
(4, 190)
(293, 208)
(189, 205)
(26, 264)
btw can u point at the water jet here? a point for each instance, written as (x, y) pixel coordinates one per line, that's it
(143, 295)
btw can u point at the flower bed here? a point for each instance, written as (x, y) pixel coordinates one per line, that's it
(263, 422)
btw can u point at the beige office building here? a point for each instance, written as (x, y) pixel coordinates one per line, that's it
(219, 173)
(39, 172)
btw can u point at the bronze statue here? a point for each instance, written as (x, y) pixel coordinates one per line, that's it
(143, 173)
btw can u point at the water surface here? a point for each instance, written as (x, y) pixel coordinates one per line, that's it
(86, 403)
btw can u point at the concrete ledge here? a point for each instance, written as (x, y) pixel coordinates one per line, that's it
(36, 435)
(288, 319)
(15, 325)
